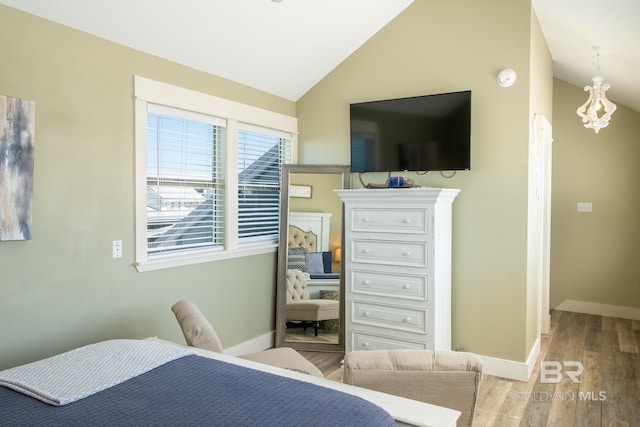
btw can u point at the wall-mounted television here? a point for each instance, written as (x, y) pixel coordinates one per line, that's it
(420, 133)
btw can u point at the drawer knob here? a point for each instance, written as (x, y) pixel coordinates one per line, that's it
(407, 220)
(406, 319)
(366, 313)
(406, 253)
(366, 282)
(366, 219)
(366, 251)
(366, 344)
(406, 286)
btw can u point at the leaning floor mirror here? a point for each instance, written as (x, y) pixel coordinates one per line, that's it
(310, 284)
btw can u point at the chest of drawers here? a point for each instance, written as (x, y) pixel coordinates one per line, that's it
(397, 268)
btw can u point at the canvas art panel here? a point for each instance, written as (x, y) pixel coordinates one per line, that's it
(17, 128)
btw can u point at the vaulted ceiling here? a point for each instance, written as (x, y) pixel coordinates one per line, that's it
(285, 47)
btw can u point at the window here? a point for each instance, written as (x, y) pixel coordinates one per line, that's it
(208, 174)
(185, 181)
(260, 155)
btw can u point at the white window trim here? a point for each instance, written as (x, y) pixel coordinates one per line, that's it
(150, 91)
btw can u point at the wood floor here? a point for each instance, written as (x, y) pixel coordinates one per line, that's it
(329, 363)
(300, 335)
(607, 394)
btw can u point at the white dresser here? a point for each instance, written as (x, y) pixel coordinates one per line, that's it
(397, 268)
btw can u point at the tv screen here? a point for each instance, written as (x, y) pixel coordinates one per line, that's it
(421, 133)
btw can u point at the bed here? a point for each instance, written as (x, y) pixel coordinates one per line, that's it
(155, 382)
(308, 251)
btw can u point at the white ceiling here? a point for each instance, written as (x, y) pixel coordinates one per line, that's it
(574, 27)
(286, 47)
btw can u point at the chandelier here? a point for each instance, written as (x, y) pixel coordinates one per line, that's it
(597, 111)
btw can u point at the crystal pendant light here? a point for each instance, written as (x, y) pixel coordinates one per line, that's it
(597, 111)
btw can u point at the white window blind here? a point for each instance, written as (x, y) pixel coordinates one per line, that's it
(185, 181)
(261, 153)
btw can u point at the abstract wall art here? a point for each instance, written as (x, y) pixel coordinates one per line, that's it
(17, 128)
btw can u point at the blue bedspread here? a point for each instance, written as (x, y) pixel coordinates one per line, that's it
(197, 391)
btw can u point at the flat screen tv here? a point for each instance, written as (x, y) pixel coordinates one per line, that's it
(421, 133)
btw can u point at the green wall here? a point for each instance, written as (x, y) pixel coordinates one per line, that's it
(323, 199)
(435, 47)
(594, 255)
(62, 288)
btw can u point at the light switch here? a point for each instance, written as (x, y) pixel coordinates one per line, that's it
(117, 248)
(585, 207)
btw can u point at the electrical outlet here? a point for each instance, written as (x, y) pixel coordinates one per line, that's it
(117, 248)
(585, 207)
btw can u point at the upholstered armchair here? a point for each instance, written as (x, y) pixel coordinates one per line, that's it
(444, 378)
(300, 306)
(198, 332)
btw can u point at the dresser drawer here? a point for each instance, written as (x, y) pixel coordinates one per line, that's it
(390, 317)
(365, 341)
(411, 221)
(410, 254)
(392, 285)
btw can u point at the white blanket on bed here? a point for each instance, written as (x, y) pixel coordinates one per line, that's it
(79, 373)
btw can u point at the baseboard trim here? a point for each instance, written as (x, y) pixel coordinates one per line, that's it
(510, 369)
(254, 345)
(519, 371)
(598, 309)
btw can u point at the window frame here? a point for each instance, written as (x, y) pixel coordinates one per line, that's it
(147, 91)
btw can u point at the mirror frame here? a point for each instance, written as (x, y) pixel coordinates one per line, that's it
(281, 280)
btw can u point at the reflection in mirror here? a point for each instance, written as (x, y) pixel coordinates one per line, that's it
(310, 303)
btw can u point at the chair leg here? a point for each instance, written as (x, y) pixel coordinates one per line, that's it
(316, 326)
